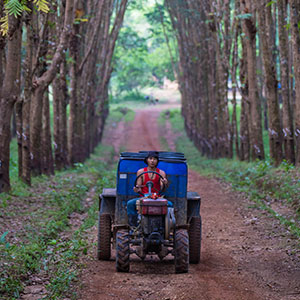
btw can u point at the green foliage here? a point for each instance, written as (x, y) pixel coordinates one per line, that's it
(176, 120)
(42, 5)
(38, 248)
(121, 113)
(141, 57)
(14, 7)
(4, 24)
(270, 3)
(127, 97)
(129, 62)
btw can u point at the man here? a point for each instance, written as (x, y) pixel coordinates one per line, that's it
(152, 161)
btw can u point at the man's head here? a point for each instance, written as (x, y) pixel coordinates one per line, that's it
(152, 159)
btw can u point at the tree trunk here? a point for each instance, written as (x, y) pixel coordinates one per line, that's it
(295, 19)
(47, 159)
(36, 108)
(287, 117)
(257, 147)
(57, 97)
(26, 154)
(42, 83)
(275, 139)
(60, 98)
(74, 147)
(18, 109)
(234, 129)
(8, 97)
(245, 110)
(63, 130)
(73, 139)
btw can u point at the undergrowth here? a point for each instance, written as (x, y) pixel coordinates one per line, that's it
(36, 246)
(134, 96)
(260, 181)
(121, 113)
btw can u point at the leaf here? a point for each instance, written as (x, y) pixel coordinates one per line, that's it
(42, 5)
(2, 238)
(270, 3)
(4, 24)
(14, 7)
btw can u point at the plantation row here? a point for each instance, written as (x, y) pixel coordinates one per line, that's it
(56, 52)
(255, 46)
(59, 55)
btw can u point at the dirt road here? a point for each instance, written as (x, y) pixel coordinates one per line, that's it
(244, 252)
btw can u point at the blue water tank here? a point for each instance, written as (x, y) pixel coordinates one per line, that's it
(173, 163)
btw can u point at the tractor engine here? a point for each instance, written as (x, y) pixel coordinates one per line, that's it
(154, 216)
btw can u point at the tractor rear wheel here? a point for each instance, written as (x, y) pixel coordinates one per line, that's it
(195, 239)
(122, 251)
(104, 236)
(181, 251)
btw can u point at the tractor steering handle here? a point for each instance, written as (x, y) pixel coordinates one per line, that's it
(161, 190)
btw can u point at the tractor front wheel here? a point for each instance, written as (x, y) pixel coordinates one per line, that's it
(122, 251)
(181, 251)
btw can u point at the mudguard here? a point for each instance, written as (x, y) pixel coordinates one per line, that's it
(107, 201)
(193, 204)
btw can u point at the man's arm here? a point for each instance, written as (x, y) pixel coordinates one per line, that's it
(165, 180)
(137, 188)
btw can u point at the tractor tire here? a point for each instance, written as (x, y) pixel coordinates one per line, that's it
(122, 251)
(195, 233)
(104, 237)
(181, 251)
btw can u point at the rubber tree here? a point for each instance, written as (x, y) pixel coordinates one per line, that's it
(9, 95)
(249, 28)
(295, 19)
(40, 86)
(287, 116)
(275, 132)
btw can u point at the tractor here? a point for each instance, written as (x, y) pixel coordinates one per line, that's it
(161, 229)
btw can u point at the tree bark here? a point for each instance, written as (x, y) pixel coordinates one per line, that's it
(234, 66)
(249, 27)
(245, 109)
(295, 19)
(73, 134)
(47, 158)
(287, 117)
(26, 155)
(275, 136)
(41, 85)
(18, 110)
(8, 97)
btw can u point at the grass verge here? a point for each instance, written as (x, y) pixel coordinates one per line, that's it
(118, 113)
(37, 239)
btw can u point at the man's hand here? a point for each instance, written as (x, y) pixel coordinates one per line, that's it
(165, 181)
(137, 189)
